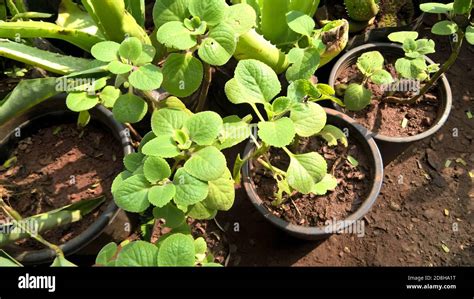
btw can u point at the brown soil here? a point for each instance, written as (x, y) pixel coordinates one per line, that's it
(387, 118)
(313, 210)
(407, 226)
(47, 164)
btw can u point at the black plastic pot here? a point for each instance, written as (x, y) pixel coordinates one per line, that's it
(392, 147)
(356, 131)
(49, 113)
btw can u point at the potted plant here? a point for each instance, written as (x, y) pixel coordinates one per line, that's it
(300, 157)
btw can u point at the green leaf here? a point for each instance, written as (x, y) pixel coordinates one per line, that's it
(119, 180)
(282, 105)
(300, 22)
(106, 254)
(370, 62)
(106, 51)
(61, 261)
(166, 11)
(132, 195)
(81, 101)
(401, 36)
(177, 251)
(299, 90)
(173, 216)
(332, 135)
(133, 161)
(200, 247)
(221, 193)
(162, 146)
(204, 127)
(160, 196)
(410, 68)
(83, 119)
(425, 46)
(200, 212)
(147, 77)
(436, 8)
(130, 109)
(182, 74)
(138, 254)
(211, 11)
(304, 62)
(233, 132)
(462, 7)
(109, 96)
(147, 56)
(254, 82)
(176, 35)
(219, 46)
(189, 190)
(353, 161)
(118, 68)
(382, 77)
(470, 34)
(357, 97)
(147, 138)
(131, 49)
(166, 121)
(156, 169)
(207, 164)
(279, 133)
(444, 28)
(308, 118)
(305, 171)
(241, 17)
(328, 183)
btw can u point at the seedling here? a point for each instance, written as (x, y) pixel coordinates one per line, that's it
(296, 115)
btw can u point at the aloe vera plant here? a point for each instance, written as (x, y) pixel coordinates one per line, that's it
(296, 115)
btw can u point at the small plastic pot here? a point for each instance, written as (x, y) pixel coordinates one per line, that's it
(54, 112)
(356, 131)
(392, 147)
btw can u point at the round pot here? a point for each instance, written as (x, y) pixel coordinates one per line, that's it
(357, 132)
(54, 112)
(392, 147)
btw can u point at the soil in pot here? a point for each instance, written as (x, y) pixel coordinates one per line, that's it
(392, 119)
(313, 210)
(58, 166)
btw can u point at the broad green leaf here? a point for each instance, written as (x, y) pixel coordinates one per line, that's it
(436, 8)
(173, 216)
(401, 36)
(132, 195)
(61, 261)
(72, 16)
(207, 164)
(119, 180)
(156, 169)
(300, 22)
(166, 11)
(137, 9)
(133, 161)
(328, 183)
(282, 105)
(300, 90)
(189, 190)
(219, 46)
(106, 51)
(130, 109)
(109, 96)
(370, 62)
(177, 251)
(462, 7)
(254, 82)
(147, 77)
(470, 34)
(444, 28)
(147, 56)
(357, 97)
(382, 77)
(332, 135)
(166, 121)
(81, 101)
(118, 68)
(308, 118)
(176, 35)
(130, 49)
(147, 138)
(200, 212)
(279, 133)
(211, 11)
(221, 193)
(160, 196)
(204, 127)
(410, 68)
(304, 62)
(305, 171)
(162, 146)
(234, 131)
(200, 247)
(83, 119)
(241, 17)
(106, 254)
(425, 46)
(138, 254)
(182, 74)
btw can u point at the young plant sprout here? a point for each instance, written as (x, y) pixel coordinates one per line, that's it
(296, 115)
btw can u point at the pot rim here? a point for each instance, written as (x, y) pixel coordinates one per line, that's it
(446, 88)
(321, 231)
(74, 245)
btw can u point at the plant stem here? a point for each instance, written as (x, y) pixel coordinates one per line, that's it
(205, 87)
(259, 115)
(134, 132)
